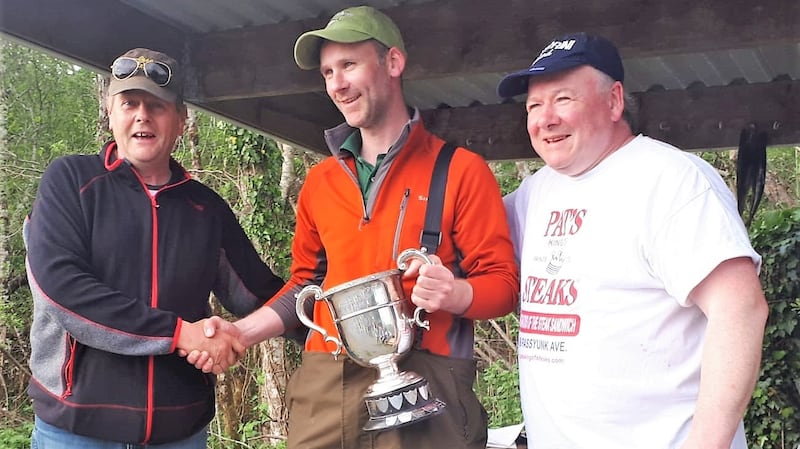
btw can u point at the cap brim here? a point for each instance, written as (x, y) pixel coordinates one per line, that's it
(306, 49)
(141, 83)
(514, 84)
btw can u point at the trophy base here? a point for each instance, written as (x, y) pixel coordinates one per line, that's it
(401, 407)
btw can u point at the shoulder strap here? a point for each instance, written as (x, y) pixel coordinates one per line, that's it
(431, 235)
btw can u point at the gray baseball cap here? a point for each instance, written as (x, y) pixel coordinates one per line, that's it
(147, 70)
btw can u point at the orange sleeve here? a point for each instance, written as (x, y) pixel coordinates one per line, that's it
(481, 234)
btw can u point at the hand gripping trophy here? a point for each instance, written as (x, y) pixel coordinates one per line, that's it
(371, 315)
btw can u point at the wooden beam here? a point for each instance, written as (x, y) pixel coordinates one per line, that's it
(699, 119)
(257, 115)
(712, 117)
(253, 62)
(476, 36)
(90, 33)
(696, 120)
(244, 75)
(496, 132)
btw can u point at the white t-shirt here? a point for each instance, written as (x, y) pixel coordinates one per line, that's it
(609, 346)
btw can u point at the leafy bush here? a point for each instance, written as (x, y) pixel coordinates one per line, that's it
(498, 389)
(16, 437)
(773, 418)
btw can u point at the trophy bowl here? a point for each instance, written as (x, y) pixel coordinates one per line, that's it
(372, 317)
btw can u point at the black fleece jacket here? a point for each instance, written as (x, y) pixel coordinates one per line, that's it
(112, 270)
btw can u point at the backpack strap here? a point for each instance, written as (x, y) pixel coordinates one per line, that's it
(431, 235)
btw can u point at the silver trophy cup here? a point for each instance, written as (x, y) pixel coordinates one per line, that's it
(371, 315)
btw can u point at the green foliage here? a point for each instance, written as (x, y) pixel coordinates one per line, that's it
(783, 177)
(498, 389)
(48, 106)
(497, 383)
(17, 313)
(51, 111)
(507, 176)
(16, 437)
(245, 169)
(267, 218)
(784, 163)
(250, 428)
(773, 417)
(251, 439)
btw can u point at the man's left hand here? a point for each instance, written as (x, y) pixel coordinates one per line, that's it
(437, 288)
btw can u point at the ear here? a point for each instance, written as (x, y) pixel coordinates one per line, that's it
(181, 126)
(183, 114)
(616, 101)
(395, 62)
(109, 112)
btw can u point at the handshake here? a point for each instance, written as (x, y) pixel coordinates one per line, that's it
(211, 344)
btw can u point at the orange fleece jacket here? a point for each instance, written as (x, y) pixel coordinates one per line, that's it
(337, 239)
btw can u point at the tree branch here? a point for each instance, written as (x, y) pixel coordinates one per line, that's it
(22, 367)
(16, 283)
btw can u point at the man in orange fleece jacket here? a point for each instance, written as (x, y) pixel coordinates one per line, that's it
(360, 208)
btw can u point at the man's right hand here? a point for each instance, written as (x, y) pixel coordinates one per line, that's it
(254, 328)
(212, 344)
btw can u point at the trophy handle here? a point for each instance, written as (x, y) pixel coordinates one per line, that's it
(316, 292)
(402, 264)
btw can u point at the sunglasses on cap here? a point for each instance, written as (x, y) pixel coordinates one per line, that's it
(125, 67)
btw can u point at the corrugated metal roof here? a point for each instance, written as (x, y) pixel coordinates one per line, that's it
(755, 65)
(752, 65)
(219, 15)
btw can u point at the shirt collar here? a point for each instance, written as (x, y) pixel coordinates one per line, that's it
(339, 138)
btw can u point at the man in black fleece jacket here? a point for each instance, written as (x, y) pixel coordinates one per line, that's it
(123, 250)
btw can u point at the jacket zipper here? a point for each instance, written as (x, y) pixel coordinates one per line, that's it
(154, 304)
(353, 177)
(400, 220)
(153, 297)
(69, 368)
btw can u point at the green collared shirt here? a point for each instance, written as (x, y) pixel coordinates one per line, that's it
(364, 170)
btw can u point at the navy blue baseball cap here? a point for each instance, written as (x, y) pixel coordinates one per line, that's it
(566, 52)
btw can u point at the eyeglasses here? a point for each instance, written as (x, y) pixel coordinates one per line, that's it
(125, 67)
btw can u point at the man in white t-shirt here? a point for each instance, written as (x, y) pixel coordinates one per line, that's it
(642, 315)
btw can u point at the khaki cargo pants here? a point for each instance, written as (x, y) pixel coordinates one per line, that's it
(327, 411)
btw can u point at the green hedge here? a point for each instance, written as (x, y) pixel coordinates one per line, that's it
(773, 418)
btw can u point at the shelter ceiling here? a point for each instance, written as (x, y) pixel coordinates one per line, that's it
(701, 69)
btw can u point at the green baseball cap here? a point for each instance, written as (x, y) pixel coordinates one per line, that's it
(348, 26)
